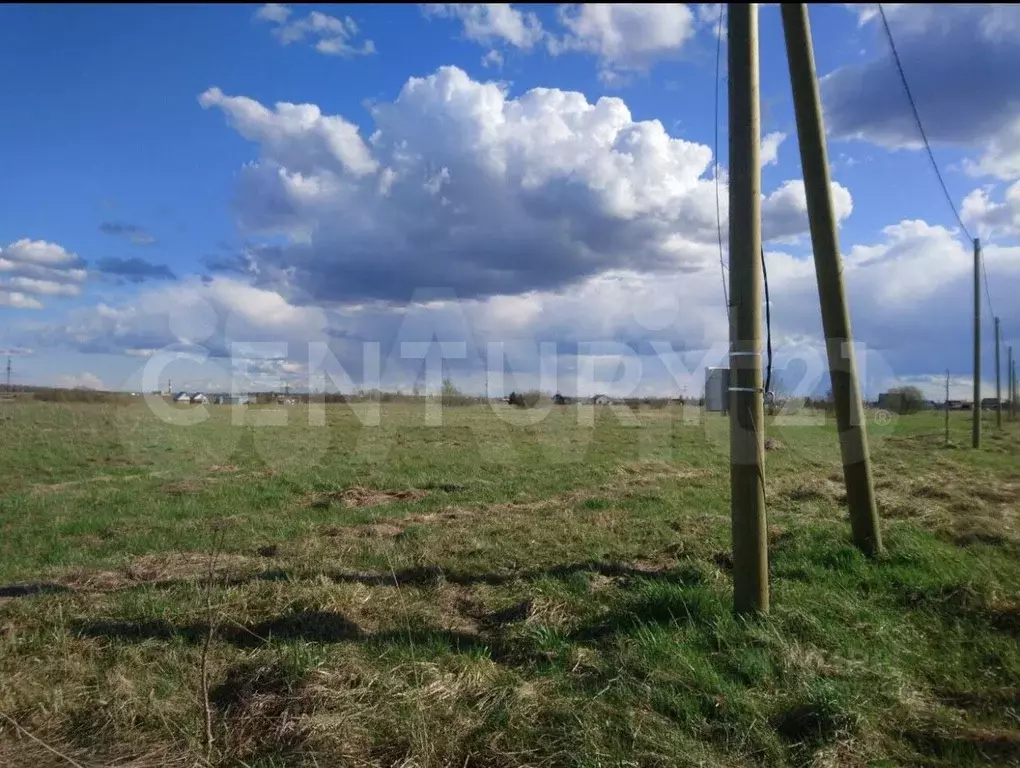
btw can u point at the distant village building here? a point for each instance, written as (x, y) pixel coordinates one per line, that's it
(232, 400)
(182, 397)
(198, 399)
(601, 400)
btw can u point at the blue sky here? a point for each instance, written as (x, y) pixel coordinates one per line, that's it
(159, 192)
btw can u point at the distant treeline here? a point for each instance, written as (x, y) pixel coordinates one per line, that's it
(69, 395)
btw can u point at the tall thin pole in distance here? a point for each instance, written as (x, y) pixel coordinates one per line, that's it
(1014, 406)
(975, 433)
(850, 419)
(947, 406)
(747, 442)
(1010, 374)
(998, 378)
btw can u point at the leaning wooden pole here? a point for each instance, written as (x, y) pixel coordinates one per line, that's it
(747, 441)
(850, 421)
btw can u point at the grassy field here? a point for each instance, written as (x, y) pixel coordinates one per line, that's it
(487, 593)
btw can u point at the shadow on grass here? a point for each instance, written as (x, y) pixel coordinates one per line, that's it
(31, 588)
(309, 626)
(414, 577)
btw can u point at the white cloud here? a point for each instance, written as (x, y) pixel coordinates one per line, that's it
(17, 300)
(625, 36)
(490, 23)
(909, 296)
(36, 267)
(770, 148)
(492, 59)
(299, 136)
(784, 212)
(331, 35)
(84, 380)
(42, 287)
(464, 187)
(40, 253)
(277, 13)
(993, 219)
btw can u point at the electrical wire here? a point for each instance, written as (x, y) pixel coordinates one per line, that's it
(768, 326)
(927, 146)
(917, 119)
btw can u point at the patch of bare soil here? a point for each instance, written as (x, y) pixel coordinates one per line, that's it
(392, 529)
(183, 487)
(358, 497)
(223, 468)
(367, 531)
(651, 469)
(151, 568)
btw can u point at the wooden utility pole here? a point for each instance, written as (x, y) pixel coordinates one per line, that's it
(947, 406)
(853, 436)
(747, 441)
(998, 379)
(975, 430)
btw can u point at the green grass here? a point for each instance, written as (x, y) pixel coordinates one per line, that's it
(487, 593)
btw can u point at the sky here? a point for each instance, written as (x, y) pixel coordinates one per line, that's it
(510, 196)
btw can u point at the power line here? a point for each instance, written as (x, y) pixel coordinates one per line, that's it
(927, 146)
(715, 154)
(988, 295)
(917, 119)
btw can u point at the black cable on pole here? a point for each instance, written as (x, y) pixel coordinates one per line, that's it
(715, 155)
(768, 327)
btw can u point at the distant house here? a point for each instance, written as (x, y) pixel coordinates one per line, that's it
(182, 397)
(601, 400)
(232, 400)
(989, 403)
(198, 398)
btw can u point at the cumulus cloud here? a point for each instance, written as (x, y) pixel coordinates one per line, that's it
(624, 37)
(993, 219)
(770, 148)
(464, 187)
(37, 268)
(16, 300)
(134, 270)
(84, 380)
(492, 59)
(132, 232)
(784, 212)
(958, 60)
(491, 23)
(909, 294)
(330, 35)
(298, 136)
